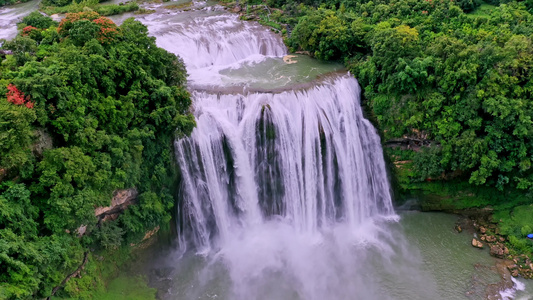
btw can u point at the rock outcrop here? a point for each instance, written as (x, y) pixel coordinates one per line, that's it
(121, 200)
(499, 250)
(477, 243)
(43, 141)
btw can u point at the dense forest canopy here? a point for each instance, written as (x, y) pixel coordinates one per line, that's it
(459, 82)
(86, 108)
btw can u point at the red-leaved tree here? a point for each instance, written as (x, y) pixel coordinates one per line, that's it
(15, 96)
(108, 29)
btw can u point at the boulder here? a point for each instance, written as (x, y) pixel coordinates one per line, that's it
(490, 238)
(476, 243)
(43, 141)
(288, 59)
(81, 231)
(499, 250)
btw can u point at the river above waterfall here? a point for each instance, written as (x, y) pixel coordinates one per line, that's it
(11, 15)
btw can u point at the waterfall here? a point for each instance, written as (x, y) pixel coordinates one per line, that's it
(284, 192)
(307, 156)
(214, 40)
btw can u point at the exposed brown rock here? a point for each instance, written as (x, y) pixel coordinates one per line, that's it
(498, 250)
(288, 59)
(304, 53)
(147, 240)
(476, 243)
(150, 233)
(121, 200)
(490, 238)
(492, 291)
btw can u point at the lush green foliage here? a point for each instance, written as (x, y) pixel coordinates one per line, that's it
(85, 5)
(59, 3)
(517, 223)
(431, 71)
(105, 106)
(127, 288)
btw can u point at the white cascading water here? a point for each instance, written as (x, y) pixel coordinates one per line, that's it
(286, 190)
(307, 156)
(12, 14)
(216, 40)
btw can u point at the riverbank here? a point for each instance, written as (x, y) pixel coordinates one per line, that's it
(497, 220)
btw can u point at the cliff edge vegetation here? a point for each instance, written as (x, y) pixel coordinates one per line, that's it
(87, 108)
